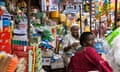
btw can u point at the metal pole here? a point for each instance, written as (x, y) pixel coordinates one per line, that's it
(57, 42)
(115, 13)
(80, 20)
(90, 15)
(28, 29)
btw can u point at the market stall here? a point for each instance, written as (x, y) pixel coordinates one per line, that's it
(35, 36)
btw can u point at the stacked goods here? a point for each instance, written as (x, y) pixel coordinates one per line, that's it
(5, 42)
(8, 62)
(22, 52)
(5, 31)
(93, 9)
(20, 29)
(19, 42)
(21, 65)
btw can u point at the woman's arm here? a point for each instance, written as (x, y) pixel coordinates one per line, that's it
(97, 60)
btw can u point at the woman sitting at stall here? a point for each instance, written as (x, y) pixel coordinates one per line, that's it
(87, 59)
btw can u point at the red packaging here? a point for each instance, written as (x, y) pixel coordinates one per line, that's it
(1, 42)
(6, 29)
(5, 47)
(26, 69)
(21, 53)
(5, 35)
(7, 41)
(21, 48)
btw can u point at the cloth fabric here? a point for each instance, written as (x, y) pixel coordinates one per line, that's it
(69, 40)
(88, 60)
(74, 24)
(66, 59)
(113, 56)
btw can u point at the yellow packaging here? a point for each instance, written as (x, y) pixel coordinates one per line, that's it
(54, 14)
(62, 18)
(87, 29)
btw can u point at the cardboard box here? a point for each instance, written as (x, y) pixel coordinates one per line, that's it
(46, 61)
(57, 65)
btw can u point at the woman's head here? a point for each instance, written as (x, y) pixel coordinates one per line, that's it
(87, 39)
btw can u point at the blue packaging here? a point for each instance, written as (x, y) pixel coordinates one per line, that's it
(2, 3)
(6, 22)
(99, 47)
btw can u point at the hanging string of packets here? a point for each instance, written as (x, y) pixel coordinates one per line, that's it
(30, 62)
(38, 60)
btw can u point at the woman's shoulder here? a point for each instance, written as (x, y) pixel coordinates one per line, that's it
(85, 50)
(89, 50)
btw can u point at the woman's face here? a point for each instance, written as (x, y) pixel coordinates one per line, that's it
(89, 41)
